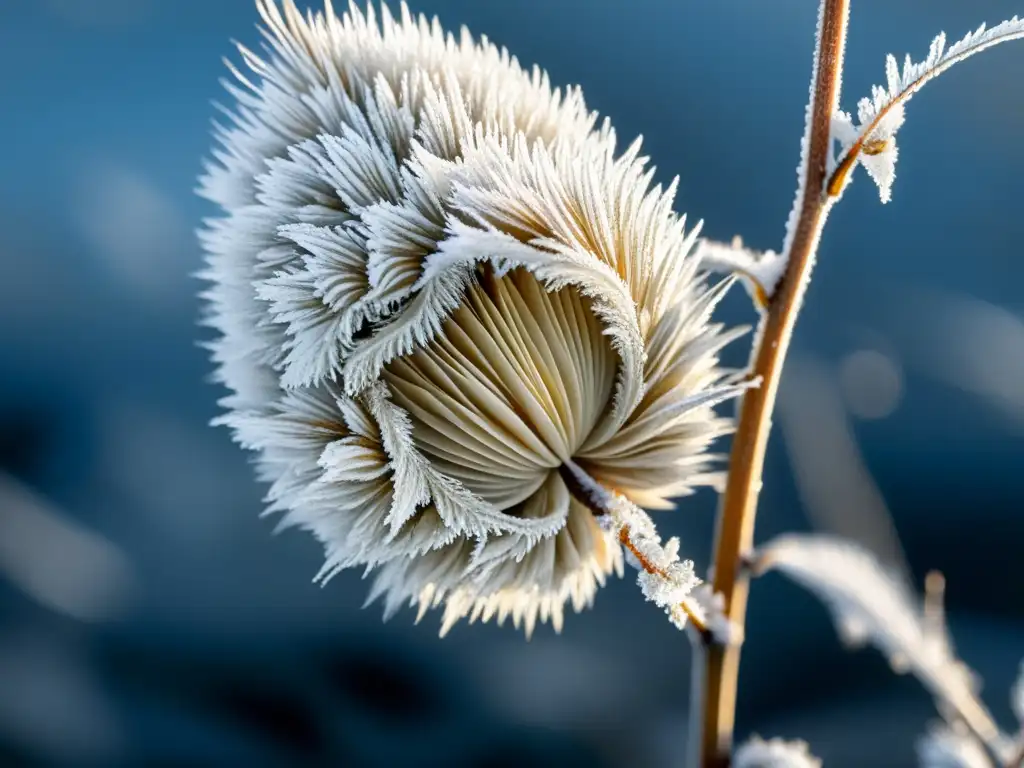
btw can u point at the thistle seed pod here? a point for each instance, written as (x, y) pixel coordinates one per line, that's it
(434, 283)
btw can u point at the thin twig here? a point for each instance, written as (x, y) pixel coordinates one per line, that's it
(598, 500)
(695, 619)
(1001, 33)
(738, 506)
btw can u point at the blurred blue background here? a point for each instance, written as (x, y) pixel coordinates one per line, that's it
(147, 616)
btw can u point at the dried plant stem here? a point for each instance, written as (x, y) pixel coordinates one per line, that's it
(739, 502)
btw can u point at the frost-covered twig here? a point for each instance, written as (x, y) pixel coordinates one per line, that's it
(870, 605)
(664, 579)
(872, 142)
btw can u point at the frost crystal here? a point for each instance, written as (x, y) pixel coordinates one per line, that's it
(775, 753)
(435, 281)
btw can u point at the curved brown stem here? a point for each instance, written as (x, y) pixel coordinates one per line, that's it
(739, 503)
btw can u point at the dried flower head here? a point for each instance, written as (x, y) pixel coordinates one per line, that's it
(435, 284)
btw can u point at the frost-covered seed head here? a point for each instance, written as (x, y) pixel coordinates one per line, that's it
(434, 282)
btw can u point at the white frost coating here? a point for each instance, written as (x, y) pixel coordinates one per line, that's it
(946, 746)
(760, 271)
(663, 578)
(880, 150)
(805, 142)
(774, 753)
(881, 115)
(869, 605)
(435, 280)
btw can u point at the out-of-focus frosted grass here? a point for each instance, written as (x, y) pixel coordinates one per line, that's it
(971, 344)
(835, 485)
(58, 562)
